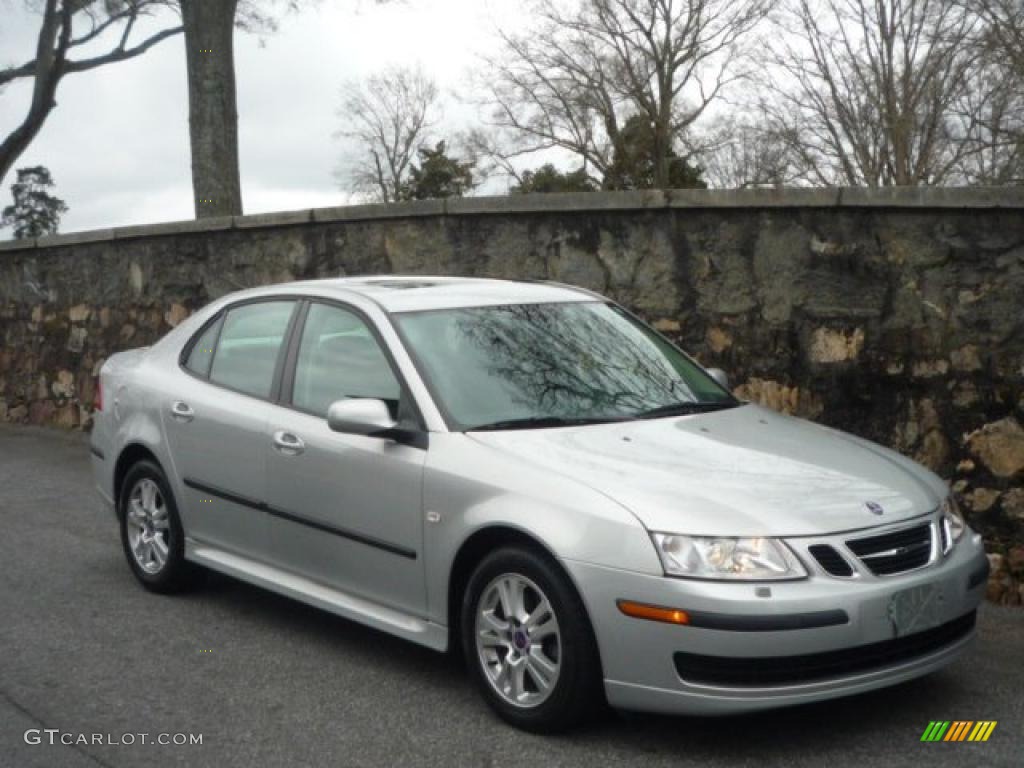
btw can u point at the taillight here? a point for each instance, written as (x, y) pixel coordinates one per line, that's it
(97, 399)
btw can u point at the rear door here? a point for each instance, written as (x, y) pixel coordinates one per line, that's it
(345, 510)
(216, 419)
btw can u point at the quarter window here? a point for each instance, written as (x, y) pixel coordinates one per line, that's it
(201, 354)
(339, 358)
(249, 344)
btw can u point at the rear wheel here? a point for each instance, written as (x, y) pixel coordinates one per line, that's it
(151, 532)
(528, 642)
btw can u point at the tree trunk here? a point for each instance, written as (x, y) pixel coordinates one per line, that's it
(54, 37)
(212, 107)
(661, 143)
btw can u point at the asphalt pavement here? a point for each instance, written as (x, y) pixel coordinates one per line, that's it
(88, 656)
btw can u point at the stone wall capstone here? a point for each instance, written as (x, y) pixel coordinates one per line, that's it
(896, 314)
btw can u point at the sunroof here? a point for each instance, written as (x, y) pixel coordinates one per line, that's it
(401, 284)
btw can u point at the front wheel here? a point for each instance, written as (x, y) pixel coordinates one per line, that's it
(528, 642)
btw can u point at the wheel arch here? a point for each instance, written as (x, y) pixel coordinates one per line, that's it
(130, 455)
(475, 548)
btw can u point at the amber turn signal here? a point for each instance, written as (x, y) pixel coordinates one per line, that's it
(653, 612)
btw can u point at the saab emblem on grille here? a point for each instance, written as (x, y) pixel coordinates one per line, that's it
(874, 507)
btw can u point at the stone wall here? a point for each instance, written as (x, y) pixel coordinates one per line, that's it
(897, 315)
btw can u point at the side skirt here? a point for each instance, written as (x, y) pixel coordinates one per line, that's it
(327, 598)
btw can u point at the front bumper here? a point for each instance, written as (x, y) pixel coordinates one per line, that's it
(643, 672)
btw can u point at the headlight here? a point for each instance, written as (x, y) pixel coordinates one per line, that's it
(747, 559)
(953, 524)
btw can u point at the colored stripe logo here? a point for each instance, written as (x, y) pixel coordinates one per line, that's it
(958, 730)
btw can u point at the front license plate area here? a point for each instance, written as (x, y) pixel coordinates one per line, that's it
(916, 609)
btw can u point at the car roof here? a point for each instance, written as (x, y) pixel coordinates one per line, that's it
(410, 293)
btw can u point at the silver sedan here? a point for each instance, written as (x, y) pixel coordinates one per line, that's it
(526, 473)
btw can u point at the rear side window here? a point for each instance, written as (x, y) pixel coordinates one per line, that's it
(201, 354)
(246, 354)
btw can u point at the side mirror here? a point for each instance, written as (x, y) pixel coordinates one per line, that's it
(720, 376)
(359, 416)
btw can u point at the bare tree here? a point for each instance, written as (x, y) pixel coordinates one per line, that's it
(744, 154)
(65, 26)
(998, 96)
(989, 119)
(208, 27)
(1004, 28)
(574, 80)
(212, 106)
(388, 117)
(867, 90)
(212, 101)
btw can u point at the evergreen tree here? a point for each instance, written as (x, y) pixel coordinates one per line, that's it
(547, 178)
(35, 212)
(634, 164)
(438, 175)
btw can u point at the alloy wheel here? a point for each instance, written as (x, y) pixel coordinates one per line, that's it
(517, 640)
(148, 526)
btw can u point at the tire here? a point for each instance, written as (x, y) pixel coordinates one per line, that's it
(151, 532)
(539, 674)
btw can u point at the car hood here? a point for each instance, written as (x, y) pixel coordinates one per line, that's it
(744, 471)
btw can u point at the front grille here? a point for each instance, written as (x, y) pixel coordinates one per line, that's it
(785, 670)
(830, 560)
(895, 552)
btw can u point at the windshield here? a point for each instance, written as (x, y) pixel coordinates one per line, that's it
(551, 364)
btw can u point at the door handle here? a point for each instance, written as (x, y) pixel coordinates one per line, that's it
(288, 444)
(182, 411)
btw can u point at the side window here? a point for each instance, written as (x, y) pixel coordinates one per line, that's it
(201, 354)
(246, 353)
(338, 358)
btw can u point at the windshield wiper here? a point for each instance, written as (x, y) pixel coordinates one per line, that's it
(685, 409)
(541, 422)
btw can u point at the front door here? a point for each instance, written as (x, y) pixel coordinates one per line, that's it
(345, 510)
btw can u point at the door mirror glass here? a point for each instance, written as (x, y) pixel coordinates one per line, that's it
(720, 376)
(360, 416)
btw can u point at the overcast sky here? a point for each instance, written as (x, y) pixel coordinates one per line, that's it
(117, 143)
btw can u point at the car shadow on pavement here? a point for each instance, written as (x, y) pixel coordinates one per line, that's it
(324, 629)
(822, 725)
